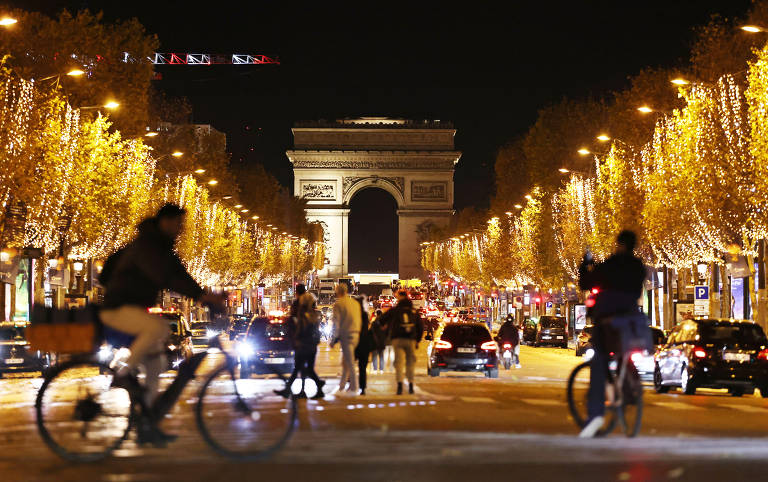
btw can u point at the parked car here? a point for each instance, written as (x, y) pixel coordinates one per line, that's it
(265, 344)
(713, 353)
(462, 347)
(551, 330)
(15, 355)
(201, 331)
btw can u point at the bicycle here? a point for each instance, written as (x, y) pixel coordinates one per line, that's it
(624, 395)
(83, 418)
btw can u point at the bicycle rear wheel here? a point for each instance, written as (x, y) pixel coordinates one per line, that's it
(578, 385)
(242, 417)
(80, 416)
(631, 410)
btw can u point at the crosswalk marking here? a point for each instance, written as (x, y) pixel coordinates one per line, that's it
(744, 408)
(677, 405)
(542, 401)
(477, 400)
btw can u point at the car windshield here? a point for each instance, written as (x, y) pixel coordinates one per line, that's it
(199, 325)
(466, 333)
(9, 333)
(552, 322)
(732, 332)
(276, 330)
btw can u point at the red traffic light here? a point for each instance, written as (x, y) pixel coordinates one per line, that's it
(537, 300)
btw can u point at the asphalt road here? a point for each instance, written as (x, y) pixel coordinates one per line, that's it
(458, 426)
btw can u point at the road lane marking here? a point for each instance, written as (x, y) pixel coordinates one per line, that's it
(677, 405)
(478, 400)
(542, 401)
(744, 408)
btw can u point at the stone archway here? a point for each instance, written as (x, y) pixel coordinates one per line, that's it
(413, 161)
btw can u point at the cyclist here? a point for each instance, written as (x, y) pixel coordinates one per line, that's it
(133, 277)
(619, 284)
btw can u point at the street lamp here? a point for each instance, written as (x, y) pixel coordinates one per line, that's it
(752, 28)
(680, 81)
(254, 218)
(111, 105)
(6, 21)
(603, 138)
(213, 182)
(564, 170)
(528, 197)
(199, 171)
(518, 206)
(150, 134)
(645, 109)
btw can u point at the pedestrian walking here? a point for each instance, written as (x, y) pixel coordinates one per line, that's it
(379, 341)
(346, 324)
(305, 334)
(365, 346)
(405, 329)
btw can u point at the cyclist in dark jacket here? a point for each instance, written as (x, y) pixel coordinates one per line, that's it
(619, 283)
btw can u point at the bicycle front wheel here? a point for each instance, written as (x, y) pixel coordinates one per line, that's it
(632, 401)
(80, 416)
(243, 418)
(578, 388)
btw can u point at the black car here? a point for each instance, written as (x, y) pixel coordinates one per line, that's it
(463, 347)
(265, 348)
(713, 353)
(201, 332)
(551, 330)
(238, 325)
(15, 355)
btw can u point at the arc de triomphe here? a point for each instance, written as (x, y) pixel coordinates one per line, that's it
(411, 160)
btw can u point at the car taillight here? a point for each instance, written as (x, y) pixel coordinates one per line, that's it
(489, 345)
(763, 355)
(442, 345)
(699, 352)
(507, 345)
(636, 357)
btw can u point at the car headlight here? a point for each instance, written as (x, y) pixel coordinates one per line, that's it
(105, 353)
(212, 333)
(176, 363)
(245, 350)
(589, 353)
(171, 347)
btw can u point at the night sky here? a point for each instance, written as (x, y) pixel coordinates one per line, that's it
(487, 69)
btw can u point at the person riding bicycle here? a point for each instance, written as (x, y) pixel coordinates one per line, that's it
(617, 284)
(133, 277)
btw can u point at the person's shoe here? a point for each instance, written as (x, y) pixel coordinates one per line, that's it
(381, 372)
(399, 388)
(301, 395)
(362, 391)
(518, 366)
(591, 428)
(285, 392)
(318, 395)
(320, 384)
(149, 433)
(410, 388)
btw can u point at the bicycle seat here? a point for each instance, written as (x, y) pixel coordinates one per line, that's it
(117, 338)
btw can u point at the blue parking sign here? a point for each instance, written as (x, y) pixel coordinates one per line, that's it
(701, 292)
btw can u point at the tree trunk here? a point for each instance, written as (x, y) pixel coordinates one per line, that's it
(656, 299)
(761, 302)
(714, 291)
(725, 305)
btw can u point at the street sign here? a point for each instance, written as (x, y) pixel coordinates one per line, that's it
(701, 300)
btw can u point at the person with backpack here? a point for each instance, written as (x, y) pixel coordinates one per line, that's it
(379, 334)
(405, 329)
(365, 346)
(305, 333)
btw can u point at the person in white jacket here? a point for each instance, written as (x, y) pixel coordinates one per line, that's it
(347, 321)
